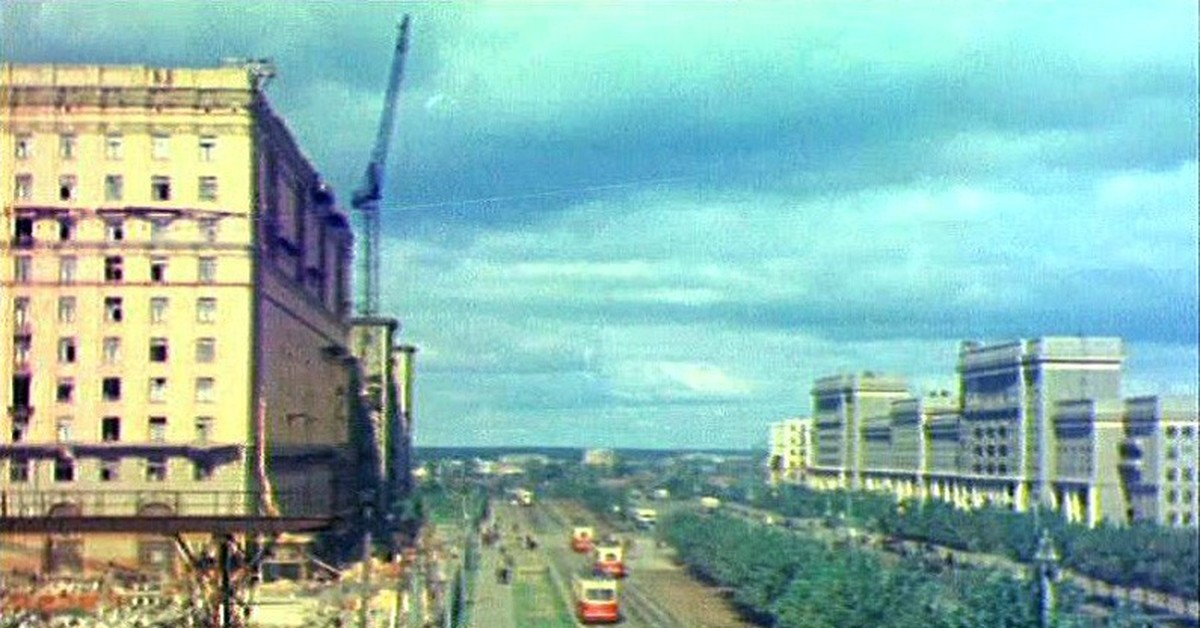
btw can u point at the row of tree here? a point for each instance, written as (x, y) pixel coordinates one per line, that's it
(1149, 556)
(779, 578)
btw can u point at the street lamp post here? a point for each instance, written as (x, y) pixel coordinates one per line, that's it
(1045, 560)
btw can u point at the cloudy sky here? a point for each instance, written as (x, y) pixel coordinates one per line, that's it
(655, 223)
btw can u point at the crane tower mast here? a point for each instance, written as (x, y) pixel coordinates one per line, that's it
(367, 196)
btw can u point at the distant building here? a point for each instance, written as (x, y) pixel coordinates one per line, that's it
(790, 451)
(1086, 483)
(599, 458)
(907, 470)
(1039, 423)
(1008, 395)
(843, 406)
(1159, 460)
(172, 264)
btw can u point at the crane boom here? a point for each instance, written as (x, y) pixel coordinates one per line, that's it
(366, 197)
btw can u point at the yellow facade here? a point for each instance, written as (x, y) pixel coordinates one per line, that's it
(171, 261)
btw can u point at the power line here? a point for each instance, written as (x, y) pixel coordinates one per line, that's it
(543, 194)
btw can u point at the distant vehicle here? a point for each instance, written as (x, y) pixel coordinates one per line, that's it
(596, 600)
(645, 517)
(662, 493)
(523, 497)
(709, 504)
(609, 559)
(581, 538)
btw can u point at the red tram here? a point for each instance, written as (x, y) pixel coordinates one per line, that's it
(610, 560)
(581, 538)
(596, 601)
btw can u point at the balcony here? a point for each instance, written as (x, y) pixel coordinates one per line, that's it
(20, 412)
(23, 241)
(22, 363)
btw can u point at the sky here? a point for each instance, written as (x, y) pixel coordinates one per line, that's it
(654, 224)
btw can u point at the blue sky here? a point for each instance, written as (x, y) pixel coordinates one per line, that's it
(653, 224)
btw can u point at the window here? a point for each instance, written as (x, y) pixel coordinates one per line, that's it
(66, 270)
(64, 470)
(110, 389)
(66, 350)
(204, 427)
(160, 146)
(207, 270)
(23, 230)
(159, 230)
(18, 471)
(158, 309)
(110, 429)
(208, 148)
(158, 389)
(1171, 474)
(66, 187)
(62, 429)
(67, 145)
(112, 350)
(158, 349)
(202, 470)
(113, 310)
(114, 187)
(66, 310)
(66, 229)
(158, 269)
(21, 310)
(156, 469)
(208, 229)
(1171, 432)
(158, 429)
(114, 269)
(204, 389)
(64, 390)
(114, 147)
(206, 310)
(110, 470)
(22, 269)
(206, 350)
(160, 188)
(23, 148)
(114, 230)
(23, 190)
(208, 188)
(19, 429)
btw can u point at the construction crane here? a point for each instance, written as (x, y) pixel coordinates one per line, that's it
(369, 193)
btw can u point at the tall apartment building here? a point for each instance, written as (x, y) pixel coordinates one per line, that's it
(1086, 482)
(790, 450)
(1159, 471)
(173, 269)
(1008, 394)
(843, 405)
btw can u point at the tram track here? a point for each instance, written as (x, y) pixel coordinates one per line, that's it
(639, 608)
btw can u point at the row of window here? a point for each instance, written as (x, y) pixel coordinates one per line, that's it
(112, 389)
(68, 351)
(110, 430)
(114, 310)
(114, 188)
(114, 229)
(114, 269)
(154, 469)
(114, 147)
